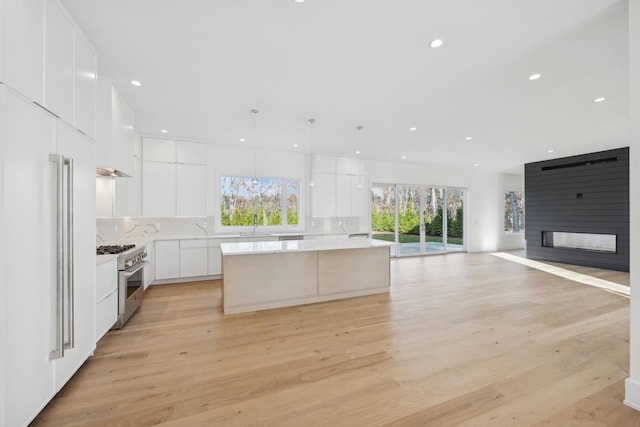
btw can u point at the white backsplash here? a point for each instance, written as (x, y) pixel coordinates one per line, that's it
(135, 229)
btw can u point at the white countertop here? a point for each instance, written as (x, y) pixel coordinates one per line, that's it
(275, 235)
(250, 248)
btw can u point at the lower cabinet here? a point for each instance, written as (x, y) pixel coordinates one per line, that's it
(185, 258)
(193, 258)
(106, 297)
(167, 259)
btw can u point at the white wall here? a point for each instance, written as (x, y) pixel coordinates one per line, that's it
(3, 286)
(632, 384)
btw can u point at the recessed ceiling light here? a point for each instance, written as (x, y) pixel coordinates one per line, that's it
(412, 128)
(136, 82)
(476, 164)
(163, 130)
(295, 146)
(299, 1)
(549, 151)
(436, 43)
(602, 98)
(404, 157)
(468, 138)
(357, 151)
(242, 140)
(534, 76)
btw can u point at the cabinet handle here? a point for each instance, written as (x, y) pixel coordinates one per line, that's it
(70, 258)
(58, 351)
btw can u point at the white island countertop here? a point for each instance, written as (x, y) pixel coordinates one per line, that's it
(249, 248)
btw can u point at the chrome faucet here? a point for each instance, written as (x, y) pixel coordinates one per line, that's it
(255, 222)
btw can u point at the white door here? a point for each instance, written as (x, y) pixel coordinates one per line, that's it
(73, 145)
(29, 264)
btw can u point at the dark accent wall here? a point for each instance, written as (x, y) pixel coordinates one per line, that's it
(588, 193)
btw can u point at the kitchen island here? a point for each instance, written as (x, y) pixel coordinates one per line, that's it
(265, 275)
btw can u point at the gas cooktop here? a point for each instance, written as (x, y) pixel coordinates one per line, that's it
(113, 249)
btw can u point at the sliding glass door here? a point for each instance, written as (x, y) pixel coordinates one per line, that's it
(455, 219)
(410, 217)
(383, 213)
(418, 219)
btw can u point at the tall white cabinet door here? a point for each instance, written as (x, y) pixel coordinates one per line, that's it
(73, 145)
(22, 38)
(158, 150)
(323, 196)
(29, 139)
(191, 152)
(191, 190)
(343, 195)
(60, 75)
(158, 189)
(86, 74)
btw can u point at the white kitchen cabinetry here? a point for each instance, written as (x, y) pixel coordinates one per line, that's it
(86, 86)
(323, 163)
(174, 179)
(106, 297)
(115, 132)
(158, 189)
(60, 74)
(30, 135)
(323, 195)
(45, 58)
(149, 269)
(158, 150)
(167, 259)
(336, 181)
(359, 197)
(343, 195)
(191, 152)
(191, 190)
(193, 258)
(22, 51)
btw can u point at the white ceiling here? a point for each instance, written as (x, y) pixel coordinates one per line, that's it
(205, 64)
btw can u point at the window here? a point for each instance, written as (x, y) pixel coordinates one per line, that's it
(270, 201)
(514, 212)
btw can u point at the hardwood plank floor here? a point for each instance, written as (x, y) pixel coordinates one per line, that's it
(461, 339)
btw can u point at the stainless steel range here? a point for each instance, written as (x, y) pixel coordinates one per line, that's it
(131, 262)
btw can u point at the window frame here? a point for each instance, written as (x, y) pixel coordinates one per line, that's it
(284, 203)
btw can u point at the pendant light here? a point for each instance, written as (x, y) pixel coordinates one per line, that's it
(254, 113)
(311, 169)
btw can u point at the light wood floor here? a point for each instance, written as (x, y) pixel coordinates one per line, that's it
(462, 339)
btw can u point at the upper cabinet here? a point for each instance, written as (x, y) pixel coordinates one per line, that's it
(115, 132)
(174, 178)
(46, 58)
(86, 75)
(59, 64)
(338, 187)
(22, 47)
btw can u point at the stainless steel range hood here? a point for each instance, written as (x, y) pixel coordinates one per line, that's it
(102, 171)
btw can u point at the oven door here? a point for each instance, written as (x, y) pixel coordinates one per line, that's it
(130, 288)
